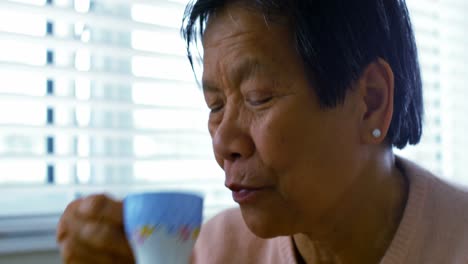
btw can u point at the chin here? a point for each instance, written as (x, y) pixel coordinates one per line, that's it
(264, 224)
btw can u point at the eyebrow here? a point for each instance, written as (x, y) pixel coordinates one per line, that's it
(238, 72)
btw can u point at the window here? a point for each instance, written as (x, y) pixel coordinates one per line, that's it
(97, 96)
(441, 26)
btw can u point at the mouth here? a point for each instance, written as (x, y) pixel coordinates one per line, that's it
(246, 194)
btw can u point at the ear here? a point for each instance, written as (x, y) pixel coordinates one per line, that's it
(376, 89)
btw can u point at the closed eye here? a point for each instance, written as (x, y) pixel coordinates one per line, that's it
(215, 108)
(260, 101)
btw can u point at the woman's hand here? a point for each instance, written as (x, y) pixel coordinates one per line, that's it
(91, 231)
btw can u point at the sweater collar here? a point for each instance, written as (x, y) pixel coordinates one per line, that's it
(418, 185)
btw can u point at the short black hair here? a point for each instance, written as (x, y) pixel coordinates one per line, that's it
(337, 40)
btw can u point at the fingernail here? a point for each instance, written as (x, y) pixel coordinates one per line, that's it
(85, 206)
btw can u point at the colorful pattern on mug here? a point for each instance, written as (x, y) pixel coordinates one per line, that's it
(184, 233)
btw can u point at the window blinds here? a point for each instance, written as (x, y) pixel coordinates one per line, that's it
(440, 28)
(96, 96)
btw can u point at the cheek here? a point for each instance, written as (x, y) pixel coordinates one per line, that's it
(211, 130)
(297, 151)
(277, 142)
(211, 124)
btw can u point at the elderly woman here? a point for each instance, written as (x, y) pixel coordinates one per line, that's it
(307, 99)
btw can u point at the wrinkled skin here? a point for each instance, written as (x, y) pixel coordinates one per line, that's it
(91, 231)
(313, 169)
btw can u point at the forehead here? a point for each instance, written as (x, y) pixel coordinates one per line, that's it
(237, 36)
(239, 20)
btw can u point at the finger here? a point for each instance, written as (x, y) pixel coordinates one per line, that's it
(101, 207)
(73, 251)
(104, 237)
(92, 261)
(69, 212)
(99, 235)
(112, 260)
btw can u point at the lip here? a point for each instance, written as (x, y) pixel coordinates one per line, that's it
(246, 194)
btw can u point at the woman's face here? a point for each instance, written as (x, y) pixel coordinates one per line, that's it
(289, 163)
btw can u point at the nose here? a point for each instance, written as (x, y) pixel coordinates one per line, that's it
(231, 139)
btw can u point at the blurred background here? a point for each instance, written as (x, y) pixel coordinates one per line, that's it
(98, 96)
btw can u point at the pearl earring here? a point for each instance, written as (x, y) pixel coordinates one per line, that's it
(376, 133)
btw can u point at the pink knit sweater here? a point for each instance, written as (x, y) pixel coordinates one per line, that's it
(434, 229)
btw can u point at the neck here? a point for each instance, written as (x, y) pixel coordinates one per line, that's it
(362, 226)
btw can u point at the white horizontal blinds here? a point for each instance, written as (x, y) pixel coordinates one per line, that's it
(440, 27)
(426, 24)
(454, 74)
(98, 96)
